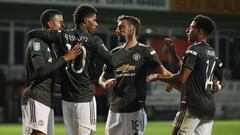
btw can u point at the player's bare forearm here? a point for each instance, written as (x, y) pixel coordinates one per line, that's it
(178, 79)
(160, 70)
(161, 77)
(172, 51)
(106, 82)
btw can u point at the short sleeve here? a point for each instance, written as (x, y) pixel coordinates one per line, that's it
(153, 59)
(190, 58)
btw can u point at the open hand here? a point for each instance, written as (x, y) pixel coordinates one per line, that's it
(170, 45)
(110, 83)
(216, 86)
(74, 52)
(152, 77)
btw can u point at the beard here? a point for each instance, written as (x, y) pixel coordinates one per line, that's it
(121, 39)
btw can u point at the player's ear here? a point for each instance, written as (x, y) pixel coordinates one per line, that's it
(49, 24)
(200, 31)
(85, 20)
(132, 28)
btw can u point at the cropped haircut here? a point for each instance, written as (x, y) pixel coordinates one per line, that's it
(132, 21)
(47, 15)
(205, 23)
(82, 11)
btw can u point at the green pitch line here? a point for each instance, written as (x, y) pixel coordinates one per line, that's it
(222, 127)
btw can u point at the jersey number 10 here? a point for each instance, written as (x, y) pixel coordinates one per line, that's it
(70, 64)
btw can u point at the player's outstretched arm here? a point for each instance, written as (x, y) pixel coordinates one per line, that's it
(176, 80)
(218, 75)
(46, 35)
(172, 51)
(105, 82)
(160, 70)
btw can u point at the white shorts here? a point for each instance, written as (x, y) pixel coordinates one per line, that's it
(191, 125)
(133, 123)
(79, 118)
(37, 116)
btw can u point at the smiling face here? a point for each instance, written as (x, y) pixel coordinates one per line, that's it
(91, 23)
(193, 32)
(56, 22)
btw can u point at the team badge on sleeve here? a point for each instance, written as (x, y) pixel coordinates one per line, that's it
(36, 46)
(152, 52)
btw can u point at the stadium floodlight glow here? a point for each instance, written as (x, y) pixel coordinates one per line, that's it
(148, 30)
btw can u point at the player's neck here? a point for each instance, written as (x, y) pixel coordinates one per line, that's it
(83, 27)
(202, 38)
(131, 43)
(201, 41)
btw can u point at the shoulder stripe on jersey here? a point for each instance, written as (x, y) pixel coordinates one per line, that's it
(140, 44)
(197, 43)
(117, 48)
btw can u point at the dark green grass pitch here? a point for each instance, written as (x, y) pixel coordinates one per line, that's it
(220, 127)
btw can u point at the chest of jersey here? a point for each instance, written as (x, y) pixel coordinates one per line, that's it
(128, 63)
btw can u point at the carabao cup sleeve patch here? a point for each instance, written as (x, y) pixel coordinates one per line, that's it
(36, 46)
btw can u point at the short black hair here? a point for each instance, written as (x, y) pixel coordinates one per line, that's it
(205, 23)
(82, 11)
(47, 15)
(132, 21)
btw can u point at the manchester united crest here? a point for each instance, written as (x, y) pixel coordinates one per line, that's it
(136, 56)
(40, 122)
